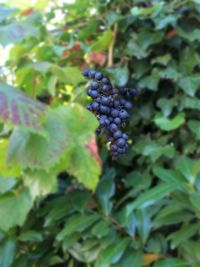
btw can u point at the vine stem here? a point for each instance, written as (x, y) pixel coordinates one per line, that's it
(111, 47)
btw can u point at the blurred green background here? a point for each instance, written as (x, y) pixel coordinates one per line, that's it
(63, 201)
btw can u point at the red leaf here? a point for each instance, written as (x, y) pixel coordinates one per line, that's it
(27, 12)
(98, 58)
(93, 148)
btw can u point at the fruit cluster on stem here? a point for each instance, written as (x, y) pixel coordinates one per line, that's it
(111, 106)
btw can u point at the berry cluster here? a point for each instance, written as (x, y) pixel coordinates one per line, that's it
(111, 106)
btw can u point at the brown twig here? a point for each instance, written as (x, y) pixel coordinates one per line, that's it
(111, 47)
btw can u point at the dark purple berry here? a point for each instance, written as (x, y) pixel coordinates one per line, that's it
(114, 112)
(105, 100)
(117, 121)
(94, 94)
(116, 103)
(113, 127)
(105, 88)
(104, 109)
(125, 136)
(94, 85)
(121, 142)
(95, 106)
(117, 134)
(85, 72)
(98, 76)
(128, 105)
(123, 114)
(113, 147)
(92, 74)
(89, 107)
(105, 80)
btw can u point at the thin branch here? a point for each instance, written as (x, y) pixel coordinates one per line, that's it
(111, 47)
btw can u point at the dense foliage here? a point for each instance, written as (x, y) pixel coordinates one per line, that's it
(63, 203)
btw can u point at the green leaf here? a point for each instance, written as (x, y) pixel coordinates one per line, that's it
(185, 233)
(153, 149)
(120, 75)
(112, 17)
(77, 223)
(30, 236)
(194, 126)
(7, 184)
(162, 22)
(166, 124)
(170, 176)
(166, 105)
(14, 208)
(190, 84)
(150, 81)
(143, 223)
(194, 199)
(15, 32)
(41, 4)
(139, 44)
(162, 60)
(6, 12)
(172, 214)
(171, 262)
(35, 151)
(151, 196)
(68, 75)
(7, 253)
(101, 229)
(40, 183)
(105, 190)
(186, 166)
(86, 164)
(112, 254)
(19, 109)
(189, 58)
(152, 10)
(190, 35)
(103, 41)
(190, 103)
(5, 169)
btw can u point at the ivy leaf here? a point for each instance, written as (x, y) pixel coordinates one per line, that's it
(194, 126)
(14, 209)
(120, 75)
(103, 42)
(189, 58)
(190, 84)
(190, 35)
(19, 109)
(168, 125)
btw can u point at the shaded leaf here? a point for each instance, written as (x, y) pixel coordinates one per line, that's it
(169, 124)
(14, 209)
(150, 197)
